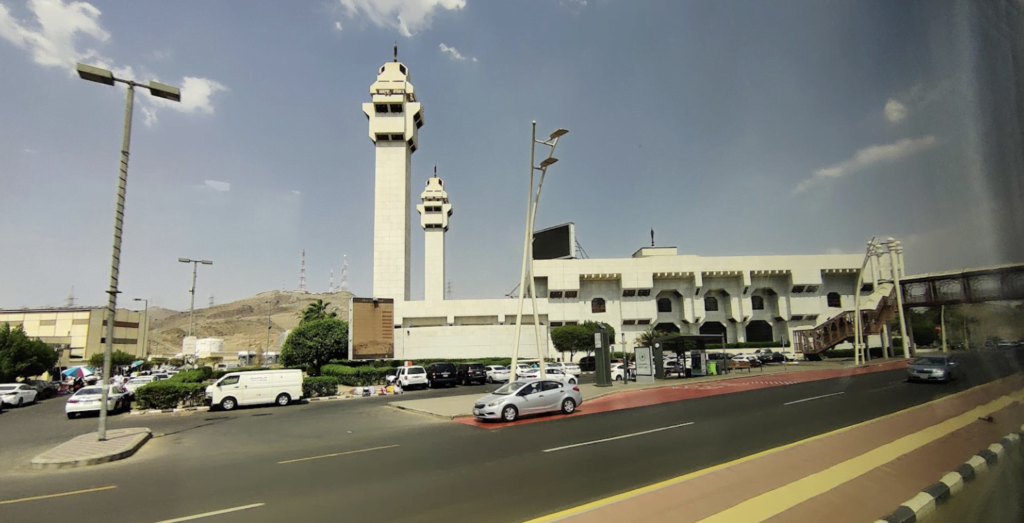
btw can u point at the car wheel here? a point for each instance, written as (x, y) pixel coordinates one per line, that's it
(72, 415)
(572, 381)
(283, 399)
(228, 403)
(21, 402)
(509, 413)
(568, 406)
(489, 380)
(618, 378)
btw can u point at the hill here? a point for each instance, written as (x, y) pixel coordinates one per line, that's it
(242, 324)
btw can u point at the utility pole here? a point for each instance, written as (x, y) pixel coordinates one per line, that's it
(270, 309)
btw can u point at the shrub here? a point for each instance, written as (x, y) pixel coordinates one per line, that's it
(193, 376)
(321, 386)
(167, 394)
(356, 376)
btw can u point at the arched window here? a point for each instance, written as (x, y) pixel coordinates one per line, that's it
(834, 300)
(597, 305)
(757, 303)
(664, 305)
(710, 303)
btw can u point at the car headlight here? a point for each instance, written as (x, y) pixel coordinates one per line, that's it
(495, 403)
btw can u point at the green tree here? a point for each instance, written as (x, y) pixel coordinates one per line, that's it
(572, 339)
(118, 358)
(316, 310)
(595, 327)
(22, 357)
(315, 343)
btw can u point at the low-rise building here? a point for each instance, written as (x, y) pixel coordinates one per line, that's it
(80, 332)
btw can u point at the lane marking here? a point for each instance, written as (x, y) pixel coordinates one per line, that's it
(335, 455)
(214, 513)
(48, 496)
(610, 500)
(814, 398)
(760, 508)
(618, 437)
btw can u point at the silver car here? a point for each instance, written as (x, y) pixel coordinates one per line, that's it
(931, 368)
(526, 397)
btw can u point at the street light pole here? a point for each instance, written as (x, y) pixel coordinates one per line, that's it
(192, 291)
(104, 76)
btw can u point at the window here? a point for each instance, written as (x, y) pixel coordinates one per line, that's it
(380, 108)
(757, 303)
(867, 287)
(629, 292)
(597, 305)
(555, 294)
(395, 108)
(664, 305)
(643, 292)
(402, 68)
(629, 322)
(798, 289)
(556, 324)
(834, 300)
(572, 323)
(397, 137)
(643, 322)
(571, 294)
(710, 303)
(551, 385)
(230, 380)
(811, 288)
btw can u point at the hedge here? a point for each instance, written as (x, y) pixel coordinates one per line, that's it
(193, 376)
(167, 394)
(218, 374)
(356, 376)
(321, 386)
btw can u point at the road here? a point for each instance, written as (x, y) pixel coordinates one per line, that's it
(358, 460)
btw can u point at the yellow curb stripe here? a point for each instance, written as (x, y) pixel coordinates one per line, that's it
(62, 494)
(772, 503)
(336, 454)
(550, 518)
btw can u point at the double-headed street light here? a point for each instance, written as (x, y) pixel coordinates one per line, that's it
(531, 214)
(159, 90)
(192, 290)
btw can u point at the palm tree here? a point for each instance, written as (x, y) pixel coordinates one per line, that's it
(317, 310)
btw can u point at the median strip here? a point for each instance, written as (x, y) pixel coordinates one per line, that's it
(336, 454)
(814, 398)
(62, 494)
(556, 449)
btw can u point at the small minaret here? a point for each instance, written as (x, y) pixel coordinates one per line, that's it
(434, 213)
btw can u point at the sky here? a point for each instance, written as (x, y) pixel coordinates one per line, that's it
(729, 127)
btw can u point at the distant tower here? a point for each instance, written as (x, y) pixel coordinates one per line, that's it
(395, 119)
(344, 273)
(211, 300)
(448, 296)
(71, 298)
(302, 273)
(330, 286)
(434, 213)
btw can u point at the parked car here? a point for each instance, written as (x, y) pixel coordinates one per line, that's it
(44, 389)
(279, 387)
(496, 373)
(754, 362)
(17, 394)
(133, 384)
(89, 399)
(549, 373)
(441, 375)
(617, 372)
(673, 367)
(568, 368)
(470, 373)
(411, 377)
(588, 364)
(768, 356)
(932, 368)
(527, 397)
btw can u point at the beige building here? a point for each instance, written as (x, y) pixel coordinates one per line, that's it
(79, 332)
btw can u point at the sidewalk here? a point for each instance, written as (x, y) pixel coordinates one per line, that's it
(452, 407)
(856, 474)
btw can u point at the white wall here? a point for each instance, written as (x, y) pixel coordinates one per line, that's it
(467, 342)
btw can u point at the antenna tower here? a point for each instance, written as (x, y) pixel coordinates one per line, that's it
(71, 298)
(330, 286)
(302, 273)
(211, 300)
(344, 273)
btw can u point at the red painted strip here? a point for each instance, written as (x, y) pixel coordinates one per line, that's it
(685, 391)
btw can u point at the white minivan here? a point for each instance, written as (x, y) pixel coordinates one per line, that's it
(256, 388)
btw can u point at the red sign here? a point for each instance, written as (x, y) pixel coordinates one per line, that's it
(938, 329)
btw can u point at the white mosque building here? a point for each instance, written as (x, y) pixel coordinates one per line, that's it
(744, 298)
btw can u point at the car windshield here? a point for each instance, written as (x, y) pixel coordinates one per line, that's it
(929, 361)
(509, 388)
(89, 391)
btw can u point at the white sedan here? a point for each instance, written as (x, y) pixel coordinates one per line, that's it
(89, 399)
(551, 373)
(617, 371)
(17, 394)
(134, 383)
(567, 368)
(496, 373)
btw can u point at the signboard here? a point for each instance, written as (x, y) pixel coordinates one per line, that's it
(597, 340)
(371, 330)
(555, 243)
(644, 361)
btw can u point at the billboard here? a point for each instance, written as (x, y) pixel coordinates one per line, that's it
(371, 330)
(555, 243)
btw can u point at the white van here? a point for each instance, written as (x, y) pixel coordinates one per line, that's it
(256, 388)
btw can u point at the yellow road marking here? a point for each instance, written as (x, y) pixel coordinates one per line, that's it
(550, 518)
(336, 454)
(769, 504)
(48, 496)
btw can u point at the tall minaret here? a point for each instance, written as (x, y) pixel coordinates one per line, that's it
(395, 118)
(434, 213)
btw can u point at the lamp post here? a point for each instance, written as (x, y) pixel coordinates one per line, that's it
(192, 291)
(159, 90)
(858, 335)
(531, 214)
(145, 333)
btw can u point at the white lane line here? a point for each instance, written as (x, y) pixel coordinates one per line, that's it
(337, 454)
(48, 496)
(214, 513)
(814, 398)
(618, 437)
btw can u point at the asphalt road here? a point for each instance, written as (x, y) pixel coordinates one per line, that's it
(372, 463)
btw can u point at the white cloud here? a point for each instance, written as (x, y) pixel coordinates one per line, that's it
(215, 185)
(54, 37)
(868, 157)
(296, 193)
(452, 52)
(337, 26)
(895, 111)
(407, 16)
(29, 151)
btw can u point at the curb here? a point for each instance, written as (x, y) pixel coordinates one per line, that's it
(168, 411)
(952, 483)
(428, 413)
(85, 462)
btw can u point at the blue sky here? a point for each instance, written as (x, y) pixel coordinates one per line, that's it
(731, 128)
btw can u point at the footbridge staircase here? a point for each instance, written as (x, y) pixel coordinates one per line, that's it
(876, 310)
